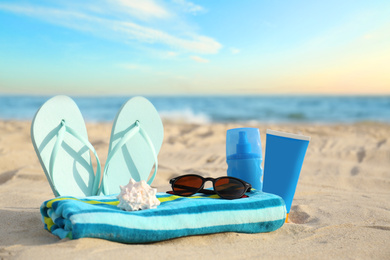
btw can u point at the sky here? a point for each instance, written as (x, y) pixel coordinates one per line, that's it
(180, 47)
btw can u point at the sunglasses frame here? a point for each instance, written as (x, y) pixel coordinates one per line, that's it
(247, 186)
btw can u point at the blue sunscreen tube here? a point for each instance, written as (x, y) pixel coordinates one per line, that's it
(284, 154)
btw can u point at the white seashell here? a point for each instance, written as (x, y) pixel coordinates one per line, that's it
(137, 196)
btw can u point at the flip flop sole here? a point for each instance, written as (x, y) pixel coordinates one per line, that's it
(135, 159)
(72, 171)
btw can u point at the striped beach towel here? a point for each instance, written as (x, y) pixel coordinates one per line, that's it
(99, 217)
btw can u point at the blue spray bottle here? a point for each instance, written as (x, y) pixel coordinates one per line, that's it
(243, 155)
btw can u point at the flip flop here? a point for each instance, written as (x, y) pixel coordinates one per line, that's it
(60, 140)
(136, 138)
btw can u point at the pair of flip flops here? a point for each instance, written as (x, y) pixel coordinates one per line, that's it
(60, 139)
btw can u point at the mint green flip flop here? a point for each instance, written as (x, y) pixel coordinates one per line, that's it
(60, 140)
(136, 137)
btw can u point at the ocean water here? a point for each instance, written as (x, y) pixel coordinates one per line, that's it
(208, 109)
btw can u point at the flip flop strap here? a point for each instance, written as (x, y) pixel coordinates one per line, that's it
(60, 138)
(137, 128)
(145, 135)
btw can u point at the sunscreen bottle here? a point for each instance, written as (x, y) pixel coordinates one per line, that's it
(284, 154)
(243, 155)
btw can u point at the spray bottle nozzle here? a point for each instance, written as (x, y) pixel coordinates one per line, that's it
(243, 145)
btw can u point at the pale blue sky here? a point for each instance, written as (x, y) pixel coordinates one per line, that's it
(198, 47)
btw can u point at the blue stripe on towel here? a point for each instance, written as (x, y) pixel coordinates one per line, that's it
(182, 219)
(175, 217)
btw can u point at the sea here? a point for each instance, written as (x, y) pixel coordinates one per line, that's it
(221, 109)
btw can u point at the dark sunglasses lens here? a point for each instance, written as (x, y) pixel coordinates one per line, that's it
(229, 188)
(187, 185)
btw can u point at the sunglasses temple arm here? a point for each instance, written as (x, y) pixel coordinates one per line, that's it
(205, 191)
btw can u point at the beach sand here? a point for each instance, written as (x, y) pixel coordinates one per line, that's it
(341, 208)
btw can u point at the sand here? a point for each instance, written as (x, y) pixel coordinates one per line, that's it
(341, 208)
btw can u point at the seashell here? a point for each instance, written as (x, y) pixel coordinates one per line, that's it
(137, 196)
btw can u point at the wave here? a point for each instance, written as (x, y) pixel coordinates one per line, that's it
(184, 116)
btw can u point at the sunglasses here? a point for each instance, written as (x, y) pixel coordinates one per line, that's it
(226, 187)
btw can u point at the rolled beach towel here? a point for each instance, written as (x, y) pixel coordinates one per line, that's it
(99, 217)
